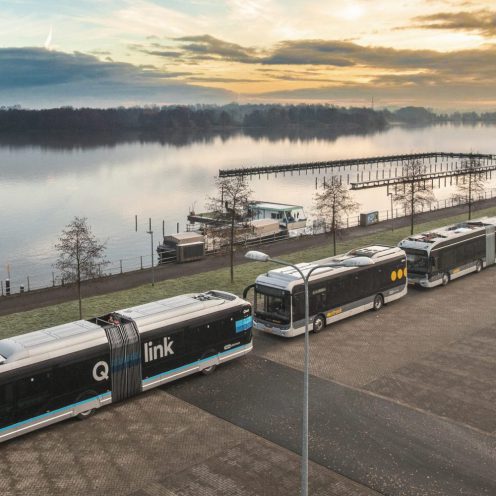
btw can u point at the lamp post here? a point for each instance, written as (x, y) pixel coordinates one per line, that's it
(390, 193)
(259, 256)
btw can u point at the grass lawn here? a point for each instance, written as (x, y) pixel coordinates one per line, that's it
(245, 274)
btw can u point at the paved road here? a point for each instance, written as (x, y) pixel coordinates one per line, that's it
(157, 445)
(381, 444)
(402, 400)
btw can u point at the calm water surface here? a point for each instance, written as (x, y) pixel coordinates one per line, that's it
(43, 188)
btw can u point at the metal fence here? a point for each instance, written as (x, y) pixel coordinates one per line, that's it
(32, 283)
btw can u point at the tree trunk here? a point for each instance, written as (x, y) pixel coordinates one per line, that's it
(78, 268)
(334, 230)
(79, 297)
(412, 210)
(469, 196)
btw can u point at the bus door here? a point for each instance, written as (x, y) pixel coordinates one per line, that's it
(490, 245)
(125, 360)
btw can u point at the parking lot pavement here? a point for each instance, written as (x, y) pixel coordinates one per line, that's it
(458, 382)
(448, 328)
(389, 447)
(156, 445)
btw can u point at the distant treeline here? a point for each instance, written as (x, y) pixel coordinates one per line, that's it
(250, 118)
(422, 116)
(192, 118)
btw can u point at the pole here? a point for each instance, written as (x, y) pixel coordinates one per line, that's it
(150, 232)
(304, 429)
(392, 213)
(153, 259)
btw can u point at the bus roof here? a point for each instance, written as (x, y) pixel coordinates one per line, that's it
(286, 277)
(84, 334)
(152, 314)
(429, 239)
(50, 340)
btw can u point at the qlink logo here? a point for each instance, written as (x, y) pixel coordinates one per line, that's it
(101, 371)
(154, 352)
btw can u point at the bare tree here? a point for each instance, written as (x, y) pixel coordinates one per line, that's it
(416, 192)
(229, 208)
(80, 255)
(334, 203)
(471, 185)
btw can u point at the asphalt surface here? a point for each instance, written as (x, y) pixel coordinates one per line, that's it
(378, 443)
(157, 445)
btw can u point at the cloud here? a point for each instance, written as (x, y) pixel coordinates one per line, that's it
(213, 79)
(38, 77)
(324, 53)
(481, 21)
(210, 46)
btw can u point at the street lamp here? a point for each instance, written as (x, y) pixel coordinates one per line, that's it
(259, 256)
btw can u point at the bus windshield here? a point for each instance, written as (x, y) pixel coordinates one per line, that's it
(417, 261)
(272, 305)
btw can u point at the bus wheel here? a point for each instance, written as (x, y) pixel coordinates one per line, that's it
(318, 323)
(378, 302)
(478, 266)
(445, 279)
(86, 414)
(208, 370)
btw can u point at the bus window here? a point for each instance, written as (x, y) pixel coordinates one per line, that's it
(6, 404)
(318, 299)
(33, 393)
(417, 261)
(272, 305)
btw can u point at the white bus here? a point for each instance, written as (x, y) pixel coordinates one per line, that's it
(334, 292)
(438, 256)
(70, 370)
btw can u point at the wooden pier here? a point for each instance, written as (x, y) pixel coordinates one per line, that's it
(424, 178)
(318, 167)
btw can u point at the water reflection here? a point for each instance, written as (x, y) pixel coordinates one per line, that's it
(177, 138)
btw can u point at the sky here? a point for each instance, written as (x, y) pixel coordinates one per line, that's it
(383, 53)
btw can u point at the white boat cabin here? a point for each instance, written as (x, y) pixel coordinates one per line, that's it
(289, 216)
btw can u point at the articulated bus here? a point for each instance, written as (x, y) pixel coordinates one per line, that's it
(72, 369)
(334, 292)
(438, 256)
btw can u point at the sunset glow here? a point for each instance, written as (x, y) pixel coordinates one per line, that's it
(415, 52)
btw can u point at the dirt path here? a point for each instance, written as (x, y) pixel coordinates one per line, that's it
(51, 296)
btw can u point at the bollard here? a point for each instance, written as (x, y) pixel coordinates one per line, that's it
(21, 288)
(7, 287)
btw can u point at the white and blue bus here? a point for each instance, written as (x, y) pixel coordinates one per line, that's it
(334, 292)
(72, 369)
(438, 256)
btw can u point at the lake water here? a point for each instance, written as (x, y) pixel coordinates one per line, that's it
(42, 187)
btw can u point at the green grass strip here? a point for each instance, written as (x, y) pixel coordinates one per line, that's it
(245, 274)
